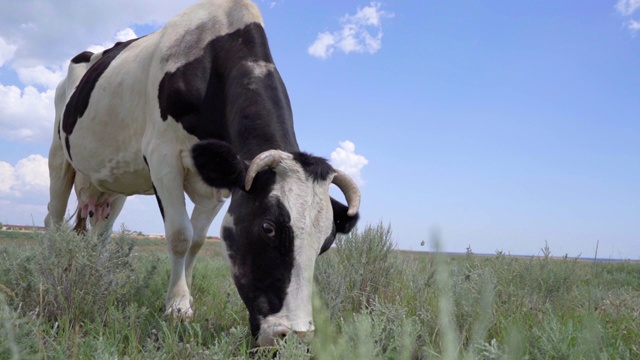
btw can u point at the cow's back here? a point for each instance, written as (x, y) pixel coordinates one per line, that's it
(185, 37)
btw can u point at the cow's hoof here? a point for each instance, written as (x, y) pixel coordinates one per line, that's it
(180, 310)
(181, 315)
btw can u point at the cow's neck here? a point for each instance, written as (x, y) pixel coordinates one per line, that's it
(258, 111)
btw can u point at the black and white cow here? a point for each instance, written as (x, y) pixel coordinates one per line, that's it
(199, 107)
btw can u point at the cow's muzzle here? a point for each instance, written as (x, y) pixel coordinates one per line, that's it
(269, 333)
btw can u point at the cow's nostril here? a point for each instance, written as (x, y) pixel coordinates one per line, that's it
(272, 335)
(280, 333)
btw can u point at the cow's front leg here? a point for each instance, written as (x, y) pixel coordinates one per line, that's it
(208, 202)
(178, 232)
(168, 185)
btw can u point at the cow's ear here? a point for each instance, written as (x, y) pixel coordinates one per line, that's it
(328, 241)
(218, 165)
(343, 222)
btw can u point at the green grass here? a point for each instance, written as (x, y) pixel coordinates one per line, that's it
(72, 298)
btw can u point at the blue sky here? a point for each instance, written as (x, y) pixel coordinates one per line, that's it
(500, 124)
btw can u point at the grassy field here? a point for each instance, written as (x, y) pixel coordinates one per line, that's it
(72, 299)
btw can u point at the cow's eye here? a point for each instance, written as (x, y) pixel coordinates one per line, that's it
(269, 229)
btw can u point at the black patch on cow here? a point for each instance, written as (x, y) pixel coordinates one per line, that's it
(343, 222)
(315, 167)
(218, 165)
(262, 264)
(66, 142)
(159, 200)
(217, 96)
(83, 57)
(79, 100)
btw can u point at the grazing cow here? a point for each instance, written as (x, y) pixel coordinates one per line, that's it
(199, 107)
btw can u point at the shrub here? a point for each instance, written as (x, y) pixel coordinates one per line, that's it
(361, 268)
(70, 276)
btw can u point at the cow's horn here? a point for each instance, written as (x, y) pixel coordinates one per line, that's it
(350, 191)
(270, 158)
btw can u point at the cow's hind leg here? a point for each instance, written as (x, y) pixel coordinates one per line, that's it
(167, 175)
(61, 176)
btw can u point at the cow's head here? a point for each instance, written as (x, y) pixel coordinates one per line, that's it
(280, 219)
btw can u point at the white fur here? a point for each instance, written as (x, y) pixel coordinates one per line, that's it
(259, 69)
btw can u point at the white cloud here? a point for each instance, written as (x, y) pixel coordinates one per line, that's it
(7, 177)
(40, 48)
(48, 32)
(323, 46)
(24, 191)
(26, 114)
(627, 7)
(361, 32)
(122, 35)
(272, 4)
(40, 75)
(29, 176)
(6, 51)
(345, 158)
(125, 34)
